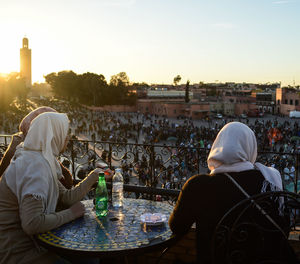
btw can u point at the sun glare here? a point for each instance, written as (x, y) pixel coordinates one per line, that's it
(10, 49)
(10, 60)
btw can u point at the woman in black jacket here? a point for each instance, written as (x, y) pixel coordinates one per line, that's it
(204, 199)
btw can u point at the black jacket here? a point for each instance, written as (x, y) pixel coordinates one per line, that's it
(204, 199)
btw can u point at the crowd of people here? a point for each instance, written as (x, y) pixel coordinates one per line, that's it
(182, 135)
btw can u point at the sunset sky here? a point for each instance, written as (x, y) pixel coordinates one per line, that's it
(154, 40)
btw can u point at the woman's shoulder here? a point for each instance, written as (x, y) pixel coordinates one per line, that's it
(34, 159)
(199, 179)
(252, 173)
(196, 184)
(202, 178)
(248, 178)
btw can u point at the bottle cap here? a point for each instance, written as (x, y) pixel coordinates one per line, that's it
(101, 174)
(118, 170)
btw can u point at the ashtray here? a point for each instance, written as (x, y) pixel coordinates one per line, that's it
(153, 219)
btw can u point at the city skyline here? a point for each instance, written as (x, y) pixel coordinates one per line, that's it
(253, 41)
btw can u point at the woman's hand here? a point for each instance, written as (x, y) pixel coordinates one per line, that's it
(96, 171)
(108, 174)
(78, 209)
(107, 171)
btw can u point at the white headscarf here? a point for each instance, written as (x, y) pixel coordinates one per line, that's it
(45, 140)
(235, 150)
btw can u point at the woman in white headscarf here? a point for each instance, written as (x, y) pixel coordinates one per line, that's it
(19, 137)
(204, 199)
(235, 150)
(30, 191)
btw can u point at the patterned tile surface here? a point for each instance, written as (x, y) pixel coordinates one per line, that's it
(119, 230)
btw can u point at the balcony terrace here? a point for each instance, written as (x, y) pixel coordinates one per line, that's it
(156, 172)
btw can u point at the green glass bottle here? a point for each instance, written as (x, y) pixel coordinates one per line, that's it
(101, 197)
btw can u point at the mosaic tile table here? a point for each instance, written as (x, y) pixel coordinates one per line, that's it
(119, 233)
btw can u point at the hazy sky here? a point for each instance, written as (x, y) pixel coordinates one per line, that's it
(154, 40)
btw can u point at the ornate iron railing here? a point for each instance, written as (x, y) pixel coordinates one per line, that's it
(156, 166)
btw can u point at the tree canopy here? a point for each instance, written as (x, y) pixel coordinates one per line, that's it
(177, 79)
(187, 92)
(91, 89)
(12, 87)
(120, 79)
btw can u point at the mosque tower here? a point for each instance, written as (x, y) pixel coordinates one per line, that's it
(25, 62)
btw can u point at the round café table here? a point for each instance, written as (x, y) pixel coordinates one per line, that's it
(118, 234)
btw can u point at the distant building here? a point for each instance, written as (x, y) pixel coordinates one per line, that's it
(287, 99)
(265, 101)
(25, 62)
(207, 99)
(243, 101)
(173, 108)
(163, 94)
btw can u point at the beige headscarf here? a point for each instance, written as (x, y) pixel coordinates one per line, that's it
(44, 141)
(235, 149)
(26, 121)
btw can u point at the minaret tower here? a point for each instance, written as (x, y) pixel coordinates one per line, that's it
(25, 62)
